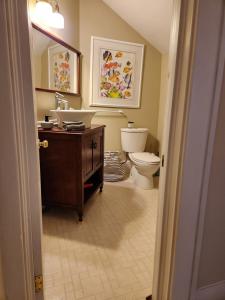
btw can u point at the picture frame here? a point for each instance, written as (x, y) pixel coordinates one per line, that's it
(115, 73)
(62, 69)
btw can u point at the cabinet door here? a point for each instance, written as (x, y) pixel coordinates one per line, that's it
(60, 170)
(97, 149)
(87, 148)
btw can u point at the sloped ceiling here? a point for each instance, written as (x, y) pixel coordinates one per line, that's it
(150, 18)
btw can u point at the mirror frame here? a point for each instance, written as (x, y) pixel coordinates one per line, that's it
(58, 40)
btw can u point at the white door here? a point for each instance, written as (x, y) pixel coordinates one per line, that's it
(199, 67)
(20, 212)
(202, 132)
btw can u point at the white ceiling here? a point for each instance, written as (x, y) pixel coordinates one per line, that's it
(150, 18)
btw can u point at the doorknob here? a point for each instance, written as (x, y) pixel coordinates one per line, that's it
(43, 144)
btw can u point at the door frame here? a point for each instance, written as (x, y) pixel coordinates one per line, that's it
(20, 213)
(182, 45)
(192, 130)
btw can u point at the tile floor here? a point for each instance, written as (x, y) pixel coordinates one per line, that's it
(107, 256)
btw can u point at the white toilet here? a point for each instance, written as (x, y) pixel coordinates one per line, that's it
(144, 164)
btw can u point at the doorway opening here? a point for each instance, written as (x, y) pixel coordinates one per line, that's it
(111, 253)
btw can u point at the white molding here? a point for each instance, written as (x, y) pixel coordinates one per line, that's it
(159, 284)
(180, 65)
(214, 291)
(188, 134)
(20, 191)
(200, 100)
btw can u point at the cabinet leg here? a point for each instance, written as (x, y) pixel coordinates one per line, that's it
(80, 216)
(45, 208)
(101, 188)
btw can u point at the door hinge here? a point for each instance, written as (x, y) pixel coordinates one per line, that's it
(38, 281)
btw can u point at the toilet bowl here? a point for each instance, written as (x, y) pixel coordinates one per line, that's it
(144, 164)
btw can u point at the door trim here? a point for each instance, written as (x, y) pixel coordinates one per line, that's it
(191, 126)
(20, 214)
(182, 45)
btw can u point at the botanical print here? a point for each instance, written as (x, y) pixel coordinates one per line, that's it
(61, 71)
(117, 74)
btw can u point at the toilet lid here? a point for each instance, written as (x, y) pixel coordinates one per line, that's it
(145, 157)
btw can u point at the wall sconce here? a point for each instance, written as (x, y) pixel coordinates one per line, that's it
(43, 11)
(57, 20)
(48, 14)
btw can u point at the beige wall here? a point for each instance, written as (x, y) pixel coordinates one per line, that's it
(98, 19)
(212, 263)
(163, 96)
(93, 17)
(37, 68)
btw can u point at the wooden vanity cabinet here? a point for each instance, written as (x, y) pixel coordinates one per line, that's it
(71, 166)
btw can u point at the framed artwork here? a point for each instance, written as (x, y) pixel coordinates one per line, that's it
(116, 73)
(62, 69)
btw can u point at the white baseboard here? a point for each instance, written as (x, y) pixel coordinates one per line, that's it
(214, 291)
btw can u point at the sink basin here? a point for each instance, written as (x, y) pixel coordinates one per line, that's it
(74, 115)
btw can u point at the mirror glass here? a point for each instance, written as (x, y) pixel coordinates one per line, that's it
(56, 64)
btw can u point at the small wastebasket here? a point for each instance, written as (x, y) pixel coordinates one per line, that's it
(116, 167)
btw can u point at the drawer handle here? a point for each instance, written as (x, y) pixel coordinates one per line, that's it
(94, 145)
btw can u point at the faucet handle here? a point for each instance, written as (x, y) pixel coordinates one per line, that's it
(58, 95)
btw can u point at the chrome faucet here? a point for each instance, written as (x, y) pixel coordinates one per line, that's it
(60, 102)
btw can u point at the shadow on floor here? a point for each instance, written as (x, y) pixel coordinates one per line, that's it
(106, 218)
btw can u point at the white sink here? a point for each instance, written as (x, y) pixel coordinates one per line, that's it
(74, 115)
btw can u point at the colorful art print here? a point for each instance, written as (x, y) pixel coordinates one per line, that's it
(62, 68)
(61, 71)
(116, 73)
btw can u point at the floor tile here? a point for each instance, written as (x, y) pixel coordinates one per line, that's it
(110, 254)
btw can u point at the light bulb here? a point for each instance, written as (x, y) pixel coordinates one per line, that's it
(43, 12)
(57, 20)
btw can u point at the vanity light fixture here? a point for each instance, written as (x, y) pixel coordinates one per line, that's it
(47, 13)
(43, 12)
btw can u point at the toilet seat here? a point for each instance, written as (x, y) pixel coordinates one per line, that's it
(144, 158)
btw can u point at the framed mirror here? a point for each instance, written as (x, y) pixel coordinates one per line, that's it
(56, 64)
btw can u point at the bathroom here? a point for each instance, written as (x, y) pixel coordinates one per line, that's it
(110, 253)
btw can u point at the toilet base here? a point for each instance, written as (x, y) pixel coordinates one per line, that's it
(141, 181)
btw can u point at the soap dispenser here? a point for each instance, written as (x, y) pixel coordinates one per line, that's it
(46, 124)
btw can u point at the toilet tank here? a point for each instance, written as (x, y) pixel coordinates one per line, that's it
(134, 139)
